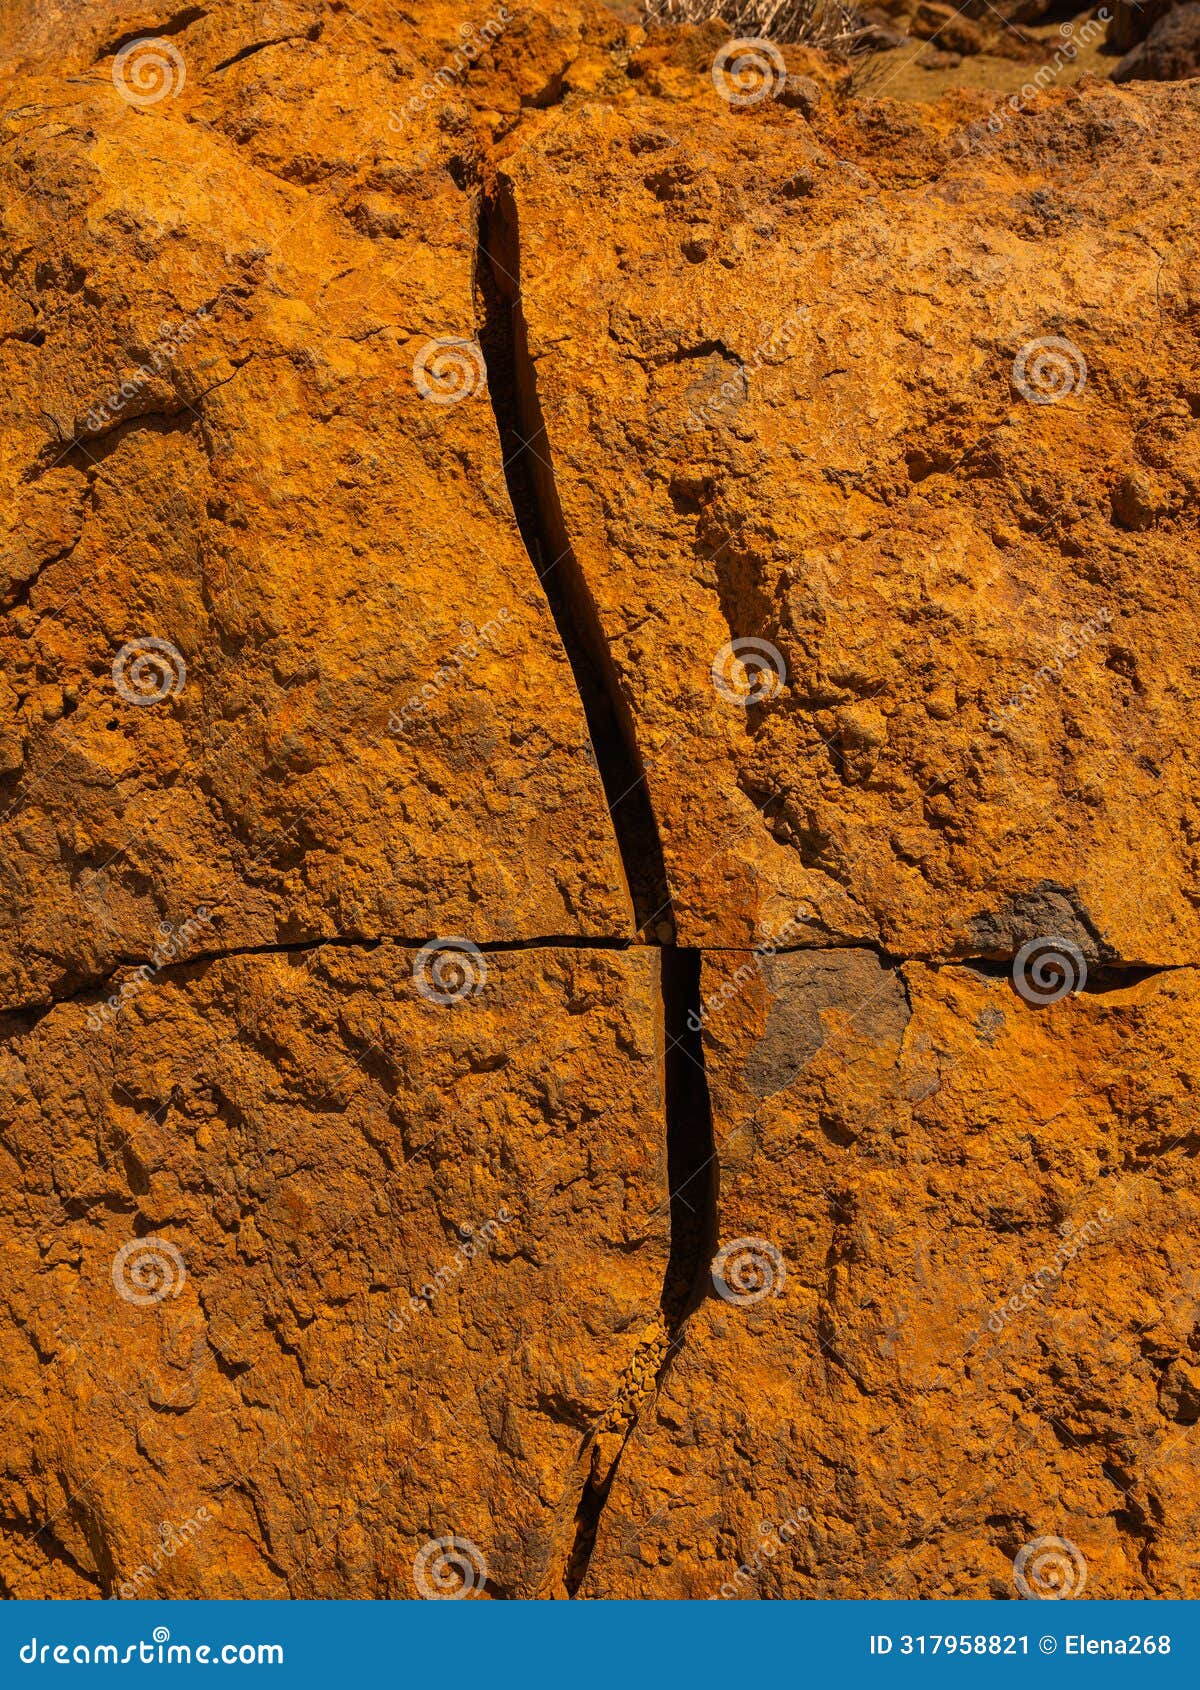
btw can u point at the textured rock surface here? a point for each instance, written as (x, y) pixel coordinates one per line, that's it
(921, 1148)
(778, 385)
(306, 1272)
(318, 1141)
(372, 728)
(1170, 52)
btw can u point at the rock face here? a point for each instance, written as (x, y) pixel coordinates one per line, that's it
(879, 497)
(1170, 52)
(597, 821)
(242, 675)
(957, 1310)
(326, 1267)
(1131, 22)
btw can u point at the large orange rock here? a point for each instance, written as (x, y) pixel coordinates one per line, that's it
(876, 442)
(327, 1268)
(955, 1309)
(812, 569)
(273, 648)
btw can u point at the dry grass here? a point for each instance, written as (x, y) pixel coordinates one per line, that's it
(831, 25)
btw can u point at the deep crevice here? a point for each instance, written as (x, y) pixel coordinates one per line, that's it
(692, 1183)
(1104, 974)
(691, 1162)
(174, 25)
(249, 52)
(528, 471)
(1100, 977)
(692, 1169)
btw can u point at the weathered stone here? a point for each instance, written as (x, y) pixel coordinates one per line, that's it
(223, 307)
(964, 1241)
(1170, 52)
(879, 425)
(325, 1267)
(337, 1266)
(1132, 20)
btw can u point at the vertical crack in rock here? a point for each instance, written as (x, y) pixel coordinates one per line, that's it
(692, 1171)
(691, 1166)
(692, 1180)
(528, 470)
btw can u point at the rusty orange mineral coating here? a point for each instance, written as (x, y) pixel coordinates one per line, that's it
(597, 815)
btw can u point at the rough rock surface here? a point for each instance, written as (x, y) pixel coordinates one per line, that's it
(977, 1222)
(383, 1060)
(1132, 21)
(1170, 52)
(354, 737)
(300, 1147)
(778, 385)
